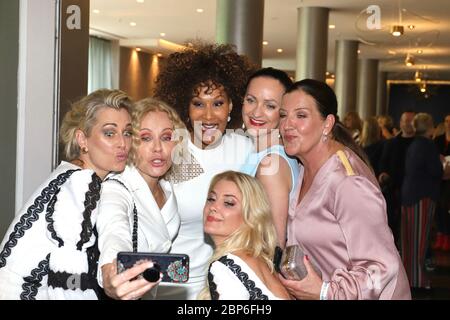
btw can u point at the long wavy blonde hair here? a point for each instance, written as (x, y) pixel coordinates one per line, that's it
(257, 235)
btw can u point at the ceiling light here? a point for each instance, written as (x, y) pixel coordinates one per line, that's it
(397, 30)
(279, 50)
(411, 27)
(199, 10)
(392, 52)
(423, 87)
(359, 51)
(332, 26)
(96, 11)
(418, 76)
(419, 51)
(133, 24)
(159, 55)
(162, 34)
(138, 49)
(265, 43)
(140, 1)
(332, 76)
(409, 61)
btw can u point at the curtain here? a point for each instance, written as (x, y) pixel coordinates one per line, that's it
(100, 64)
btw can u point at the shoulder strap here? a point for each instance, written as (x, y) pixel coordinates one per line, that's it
(135, 216)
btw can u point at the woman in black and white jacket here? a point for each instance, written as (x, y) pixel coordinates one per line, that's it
(49, 251)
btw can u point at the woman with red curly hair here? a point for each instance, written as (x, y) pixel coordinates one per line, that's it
(206, 85)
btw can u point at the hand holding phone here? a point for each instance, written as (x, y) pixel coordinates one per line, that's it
(174, 267)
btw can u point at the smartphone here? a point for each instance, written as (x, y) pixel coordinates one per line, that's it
(174, 267)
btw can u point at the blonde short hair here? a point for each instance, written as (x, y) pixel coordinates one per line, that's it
(422, 123)
(82, 116)
(257, 235)
(141, 109)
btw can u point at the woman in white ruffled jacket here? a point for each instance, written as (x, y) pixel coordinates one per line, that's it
(48, 251)
(138, 209)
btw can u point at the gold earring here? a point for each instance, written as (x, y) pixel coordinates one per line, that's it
(84, 150)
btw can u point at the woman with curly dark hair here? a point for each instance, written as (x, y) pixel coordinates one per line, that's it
(206, 85)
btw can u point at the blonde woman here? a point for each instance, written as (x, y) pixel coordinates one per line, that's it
(138, 210)
(372, 143)
(48, 251)
(237, 217)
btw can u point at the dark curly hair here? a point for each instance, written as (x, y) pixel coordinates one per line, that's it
(209, 65)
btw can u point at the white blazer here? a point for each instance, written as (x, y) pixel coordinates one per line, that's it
(156, 227)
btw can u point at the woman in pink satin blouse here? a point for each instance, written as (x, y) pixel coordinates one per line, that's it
(338, 216)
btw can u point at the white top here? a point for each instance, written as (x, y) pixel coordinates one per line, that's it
(156, 227)
(45, 236)
(191, 196)
(227, 284)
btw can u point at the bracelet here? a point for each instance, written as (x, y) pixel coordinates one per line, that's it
(324, 290)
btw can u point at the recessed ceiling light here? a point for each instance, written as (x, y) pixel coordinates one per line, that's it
(265, 43)
(419, 51)
(96, 11)
(159, 55)
(138, 49)
(332, 26)
(397, 30)
(392, 52)
(199, 10)
(279, 50)
(411, 27)
(162, 34)
(140, 1)
(133, 24)
(409, 61)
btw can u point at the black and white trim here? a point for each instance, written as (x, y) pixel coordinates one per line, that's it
(253, 290)
(33, 282)
(32, 215)
(90, 203)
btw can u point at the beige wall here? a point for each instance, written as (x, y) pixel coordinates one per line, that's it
(138, 71)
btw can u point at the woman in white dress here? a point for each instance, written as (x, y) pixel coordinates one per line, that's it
(237, 217)
(269, 163)
(206, 85)
(49, 249)
(138, 210)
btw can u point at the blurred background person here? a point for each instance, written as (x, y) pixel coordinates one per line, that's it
(392, 171)
(386, 124)
(353, 123)
(419, 194)
(372, 143)
(443, 206)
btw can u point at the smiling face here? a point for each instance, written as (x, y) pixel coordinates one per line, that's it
(222, 214)
(208, 114)
(260, 111)
(108, 142)
(155, 145)
(301, 124)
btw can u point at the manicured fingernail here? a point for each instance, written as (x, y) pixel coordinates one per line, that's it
(307, 258)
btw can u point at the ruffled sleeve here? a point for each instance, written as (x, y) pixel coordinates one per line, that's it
(373, 261)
